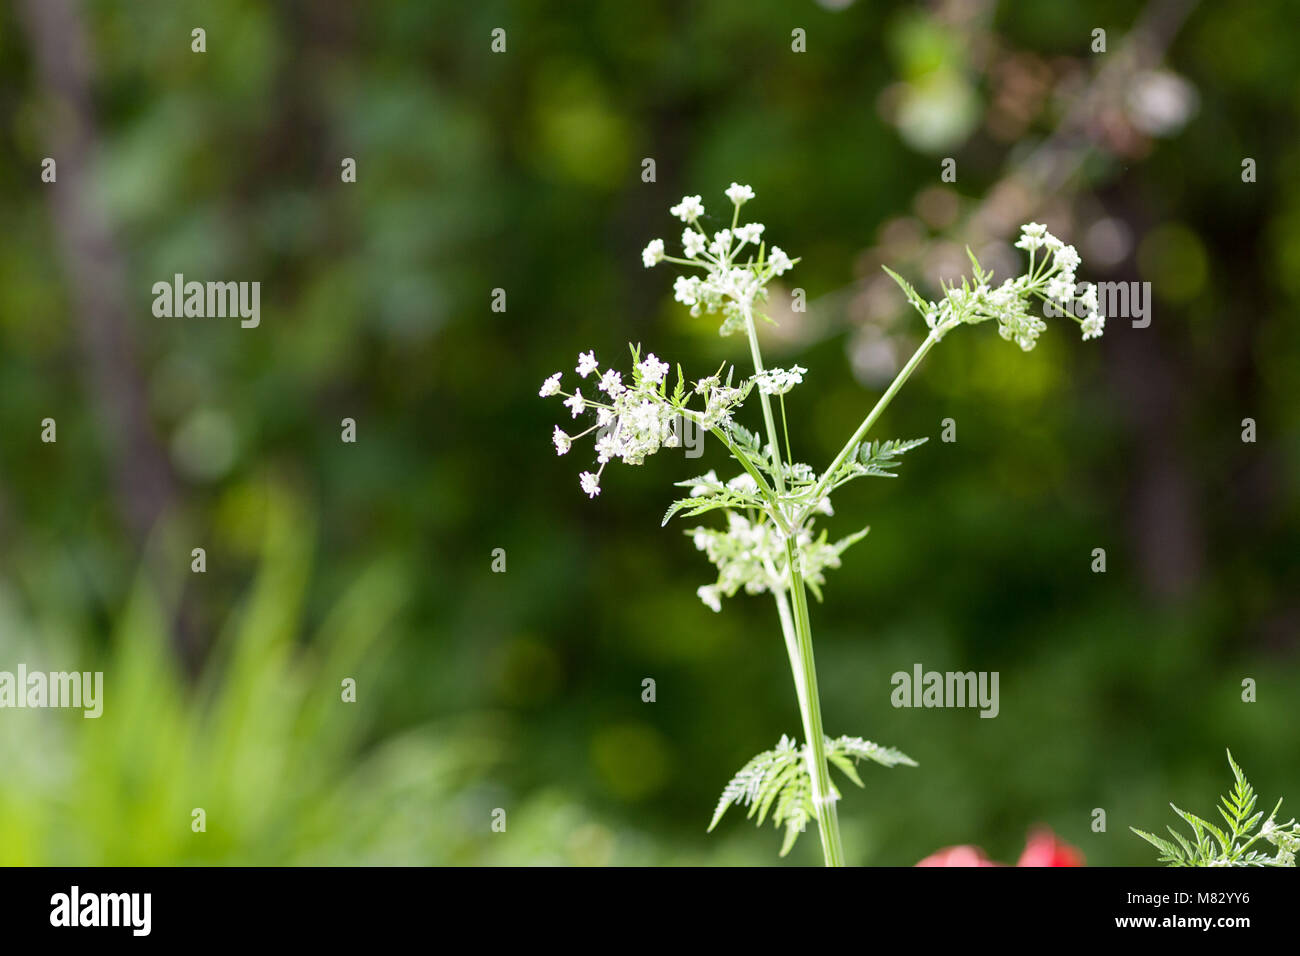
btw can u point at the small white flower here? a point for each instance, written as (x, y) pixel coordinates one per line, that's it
(1031, 236)
(711, 596)
(721, 243)
(653, 370)
(607, 447)
(1067, 259)
(611, 383)
(778, 261)
(1093, 326)
(576, 403)
(778, 381)
(586, 363)
(686, 291)
(550, 386)
(604, 416)
(590, 483)
(693, 242)
(739, 194)
(1060, 288)
(1089, 299)
(652, 253)
(562, 441)
(750, 232)
(689, 209)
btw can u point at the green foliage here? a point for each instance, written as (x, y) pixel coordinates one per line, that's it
(777, 781)
(265, 745)
(877, 458)
(913, 297)
(1230, 847)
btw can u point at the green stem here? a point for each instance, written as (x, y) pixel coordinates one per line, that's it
(764, 488)
(828, 821)
(766, 402)
(801, 659)
(791, 642)
(827, 476)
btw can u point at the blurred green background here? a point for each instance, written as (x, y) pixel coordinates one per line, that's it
(522, 171)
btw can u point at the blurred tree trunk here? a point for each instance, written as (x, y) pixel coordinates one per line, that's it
(142, 477)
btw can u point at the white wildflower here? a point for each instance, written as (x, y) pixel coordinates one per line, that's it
(652, 253)
(778, 381)
(778, 261)
(653, 370)
(611, 383)
(586, 363)
(607, 447)
(689, 209)
(562, 441)
(1067, 259)
(1060, 288)
(711, 596)
(590, 483)
(1031, 236)
(576, 403)
(739, 194)
(686, 290)
(693, 242)
(750, 232)
(551, 386)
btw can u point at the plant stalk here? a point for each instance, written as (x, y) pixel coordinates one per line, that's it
(828, 821)
(801, 657)
(828, 475)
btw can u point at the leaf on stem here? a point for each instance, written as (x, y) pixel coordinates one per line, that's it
(776, 782)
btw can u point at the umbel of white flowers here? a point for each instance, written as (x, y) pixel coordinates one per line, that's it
(636, 417)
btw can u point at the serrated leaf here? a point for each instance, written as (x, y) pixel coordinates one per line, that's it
(1164, 846)
(1182, 842)
(746, 439)
(846, 766)
(849, 541)
(913, 296)
(791, 834)
(866, 750)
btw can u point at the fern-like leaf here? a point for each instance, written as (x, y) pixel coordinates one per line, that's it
(1237, 807)
(776, 783)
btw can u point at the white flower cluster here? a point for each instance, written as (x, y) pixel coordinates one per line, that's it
(751, 555)
(737, 265)
(720, 399)
(778, 381)
(1052, 279)
(632, 422)
(1285, 836)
